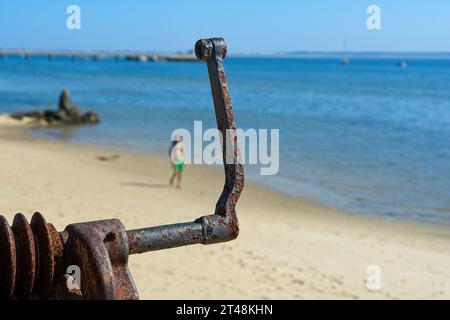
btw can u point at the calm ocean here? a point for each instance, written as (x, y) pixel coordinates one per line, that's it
(369, 138)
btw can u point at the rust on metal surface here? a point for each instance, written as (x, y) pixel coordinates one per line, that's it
(213, 51)
(100, 249)
(7, 259)
(45, 255)
(25, 255)
(34, 257)
(223, 224)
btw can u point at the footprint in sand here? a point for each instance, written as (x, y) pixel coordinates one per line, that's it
(298, 282)
(108, 158)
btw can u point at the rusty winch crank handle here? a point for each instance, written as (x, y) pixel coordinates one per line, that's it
(223, 225)
(34, 257)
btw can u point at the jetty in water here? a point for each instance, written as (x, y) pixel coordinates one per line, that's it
(98, 55)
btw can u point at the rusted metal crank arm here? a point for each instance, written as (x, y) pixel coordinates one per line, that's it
(223, 225)
(34, 257)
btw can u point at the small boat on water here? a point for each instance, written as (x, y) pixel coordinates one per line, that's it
(345, 61)
(403, 65)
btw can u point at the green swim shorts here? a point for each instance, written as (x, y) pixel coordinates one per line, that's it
(179, 166)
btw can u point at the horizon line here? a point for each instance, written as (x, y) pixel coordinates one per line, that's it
(286, 54)
(237, 53)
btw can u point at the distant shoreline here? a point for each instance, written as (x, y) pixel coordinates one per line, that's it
(188, 55)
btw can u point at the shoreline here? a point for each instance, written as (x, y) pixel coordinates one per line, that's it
(433, 223)
(288, 248)
(25, 132)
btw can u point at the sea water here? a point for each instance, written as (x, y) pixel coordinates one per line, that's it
(369, 138)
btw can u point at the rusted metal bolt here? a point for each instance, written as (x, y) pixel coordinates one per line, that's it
(204, 49)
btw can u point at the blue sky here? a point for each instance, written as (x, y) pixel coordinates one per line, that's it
(249, 26)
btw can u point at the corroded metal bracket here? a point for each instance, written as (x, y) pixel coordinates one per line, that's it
(34, 257)
(101, 249)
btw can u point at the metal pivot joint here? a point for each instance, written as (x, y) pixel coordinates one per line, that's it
(34, 257)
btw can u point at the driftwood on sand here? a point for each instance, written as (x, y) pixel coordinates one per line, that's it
(67, 114)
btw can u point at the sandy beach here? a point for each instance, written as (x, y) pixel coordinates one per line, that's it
(288, 248)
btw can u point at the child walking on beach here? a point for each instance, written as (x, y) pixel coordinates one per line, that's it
(176, 158)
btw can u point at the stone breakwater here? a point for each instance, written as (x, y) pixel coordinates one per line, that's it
(67, 114)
